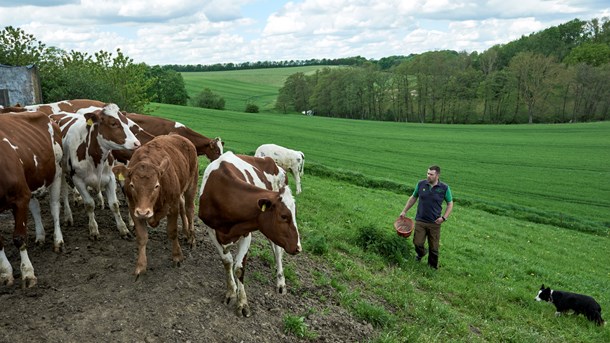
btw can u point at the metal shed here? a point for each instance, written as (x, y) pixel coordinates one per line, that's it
(19, 85)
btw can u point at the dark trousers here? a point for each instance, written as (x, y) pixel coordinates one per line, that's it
(431, 232)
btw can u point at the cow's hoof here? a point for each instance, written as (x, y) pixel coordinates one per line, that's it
(58, 247)
(7, 280)
(282, 290)
(244, 311)
(28, 282)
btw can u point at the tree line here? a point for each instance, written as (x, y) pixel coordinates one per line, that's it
(103, 76)
(560, 74)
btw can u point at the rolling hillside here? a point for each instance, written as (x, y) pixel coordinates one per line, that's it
(240, 87)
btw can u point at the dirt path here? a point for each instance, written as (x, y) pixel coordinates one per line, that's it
(88, 293)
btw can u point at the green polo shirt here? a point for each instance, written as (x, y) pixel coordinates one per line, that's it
(431, 200)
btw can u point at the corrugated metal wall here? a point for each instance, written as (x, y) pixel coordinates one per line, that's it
(19, 85)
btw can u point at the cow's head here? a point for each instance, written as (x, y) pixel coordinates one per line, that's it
(113, 128)
(301, 162)
(277, 220)
(142, 185)
(213, 149)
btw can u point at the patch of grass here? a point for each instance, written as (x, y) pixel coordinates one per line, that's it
(295, 325)
(378, 316)
(384, 243)
(316, 244)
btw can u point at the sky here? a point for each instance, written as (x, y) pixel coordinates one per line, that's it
(159, 32)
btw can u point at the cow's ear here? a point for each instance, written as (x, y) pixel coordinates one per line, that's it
(163, 166)
(264, 204)
(120, 171)
(91, 117)
(542, 287)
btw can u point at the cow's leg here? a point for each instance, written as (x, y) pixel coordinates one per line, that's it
(141, 239)
(54, 195)
(278, 253)
(172, 234)
(94, 233)
(65, 195)
(28, 279)
(297, 180)
(113, 203)
(189, 198)
(35, 210)
(6, 270)
(227, 261)
(243, 245)
(100, 199)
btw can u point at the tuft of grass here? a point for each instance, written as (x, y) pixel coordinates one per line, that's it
(316, 244)
(386, 244)
(296, 326)
(376, 315)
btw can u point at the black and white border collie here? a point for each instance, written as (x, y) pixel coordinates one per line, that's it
(565, 301)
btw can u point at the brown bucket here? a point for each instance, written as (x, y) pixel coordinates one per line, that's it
(404, 226)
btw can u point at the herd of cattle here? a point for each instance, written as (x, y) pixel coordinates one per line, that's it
(83, 147)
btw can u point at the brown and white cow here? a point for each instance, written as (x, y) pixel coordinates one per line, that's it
(236, 198)
(211, 148)
(276, 179)
(161, 181)
(88, 137)
(30, 156)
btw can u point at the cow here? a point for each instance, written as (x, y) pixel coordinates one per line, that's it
(161, 181)
(277, 178)
(30, 155)
(286, 158)
(211, 148)
(236, 199)
(88, 137)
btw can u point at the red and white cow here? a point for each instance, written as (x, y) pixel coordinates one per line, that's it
(277, 178)
(211, 148)
(286, 158)
(232, 204)
(161, 181)
(30, 156)
(88, 138)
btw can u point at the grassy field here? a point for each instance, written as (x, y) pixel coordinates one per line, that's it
(549, 172)
(240, 87)
(491, 265)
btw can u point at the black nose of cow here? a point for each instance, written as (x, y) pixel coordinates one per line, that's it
(137, 144)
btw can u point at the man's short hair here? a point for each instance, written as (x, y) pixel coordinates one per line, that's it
(437, 169)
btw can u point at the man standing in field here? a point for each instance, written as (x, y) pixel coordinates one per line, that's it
(431, 194)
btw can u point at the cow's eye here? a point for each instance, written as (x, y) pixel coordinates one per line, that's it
(284, 217)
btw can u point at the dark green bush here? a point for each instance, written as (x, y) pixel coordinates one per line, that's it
(251, 108)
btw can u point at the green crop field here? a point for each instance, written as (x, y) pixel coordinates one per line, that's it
(240, 87)
(531, 207)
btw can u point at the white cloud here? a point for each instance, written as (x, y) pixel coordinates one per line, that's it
(220, 31)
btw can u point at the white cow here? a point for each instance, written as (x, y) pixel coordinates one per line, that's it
(286, 158)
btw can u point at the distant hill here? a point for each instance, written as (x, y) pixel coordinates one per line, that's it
(240, 87)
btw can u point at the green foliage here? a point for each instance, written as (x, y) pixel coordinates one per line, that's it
(251, 108)
(316, 244)
(168, 86)
(595, 54)
(208, 99)
(383, 242)
(296, 326)
(72, 75)
(18, 48)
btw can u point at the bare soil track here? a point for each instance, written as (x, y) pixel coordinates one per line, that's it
(88, 293)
